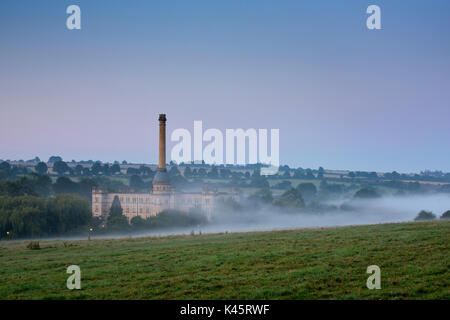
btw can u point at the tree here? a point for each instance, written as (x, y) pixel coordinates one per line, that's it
(71, 211)
(136, 182)
(105, 169)
(78, 170)
(366, 193)
(86, 172)
(115, 168)
(179, 182)
(97, 168)
(320, 173)
(201, 172)
(283, 185)
(85, 188)
(286, 175)
(174, 171)
(425, 215)
(133, 171)
(213, 173)
(116, 220)
(29, 216)
(138, 223)
(446, 215)
(187, 173)
(116, 208)
(263, 195)
(5, 166)
(332, 189)
(291, 199)
(41, 168)
(394, 175)
(119, 224)
(42, 185)
(259, 181)
(309, 175)
(226, 173)
(65, 185)
(35, 160)
(308, 190)
(20, 187)
(170, 218)
(299, 173)
(54, 159)
(60, 167)
(373, 175)
(146, 171)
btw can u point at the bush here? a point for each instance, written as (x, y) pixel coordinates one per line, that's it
(118, 223)
(425, 216)
(34, 245)
(170, 218)
(67, 244)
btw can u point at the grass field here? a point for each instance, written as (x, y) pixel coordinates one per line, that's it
(299, 264)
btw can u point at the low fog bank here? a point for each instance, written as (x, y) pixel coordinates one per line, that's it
(388, 209)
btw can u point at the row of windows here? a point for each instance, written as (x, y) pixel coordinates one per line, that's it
(147, 209)
(196, 201)
(155, 201)
(142, 200)
(158, 201)
(141, 210)
(133, 210)
(134, 200)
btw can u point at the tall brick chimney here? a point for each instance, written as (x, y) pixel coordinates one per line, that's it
(162, 142)
(161, 181)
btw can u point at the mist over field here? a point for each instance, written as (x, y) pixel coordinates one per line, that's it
(388, 209)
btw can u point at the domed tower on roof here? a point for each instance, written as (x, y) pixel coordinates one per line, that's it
(161, 181)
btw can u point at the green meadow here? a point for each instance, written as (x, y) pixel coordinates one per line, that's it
(325, 263)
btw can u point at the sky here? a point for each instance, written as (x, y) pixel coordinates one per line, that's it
(342, 96)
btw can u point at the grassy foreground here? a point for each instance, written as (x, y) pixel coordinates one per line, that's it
(325, 263)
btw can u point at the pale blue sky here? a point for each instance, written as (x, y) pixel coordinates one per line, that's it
(342, 96)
